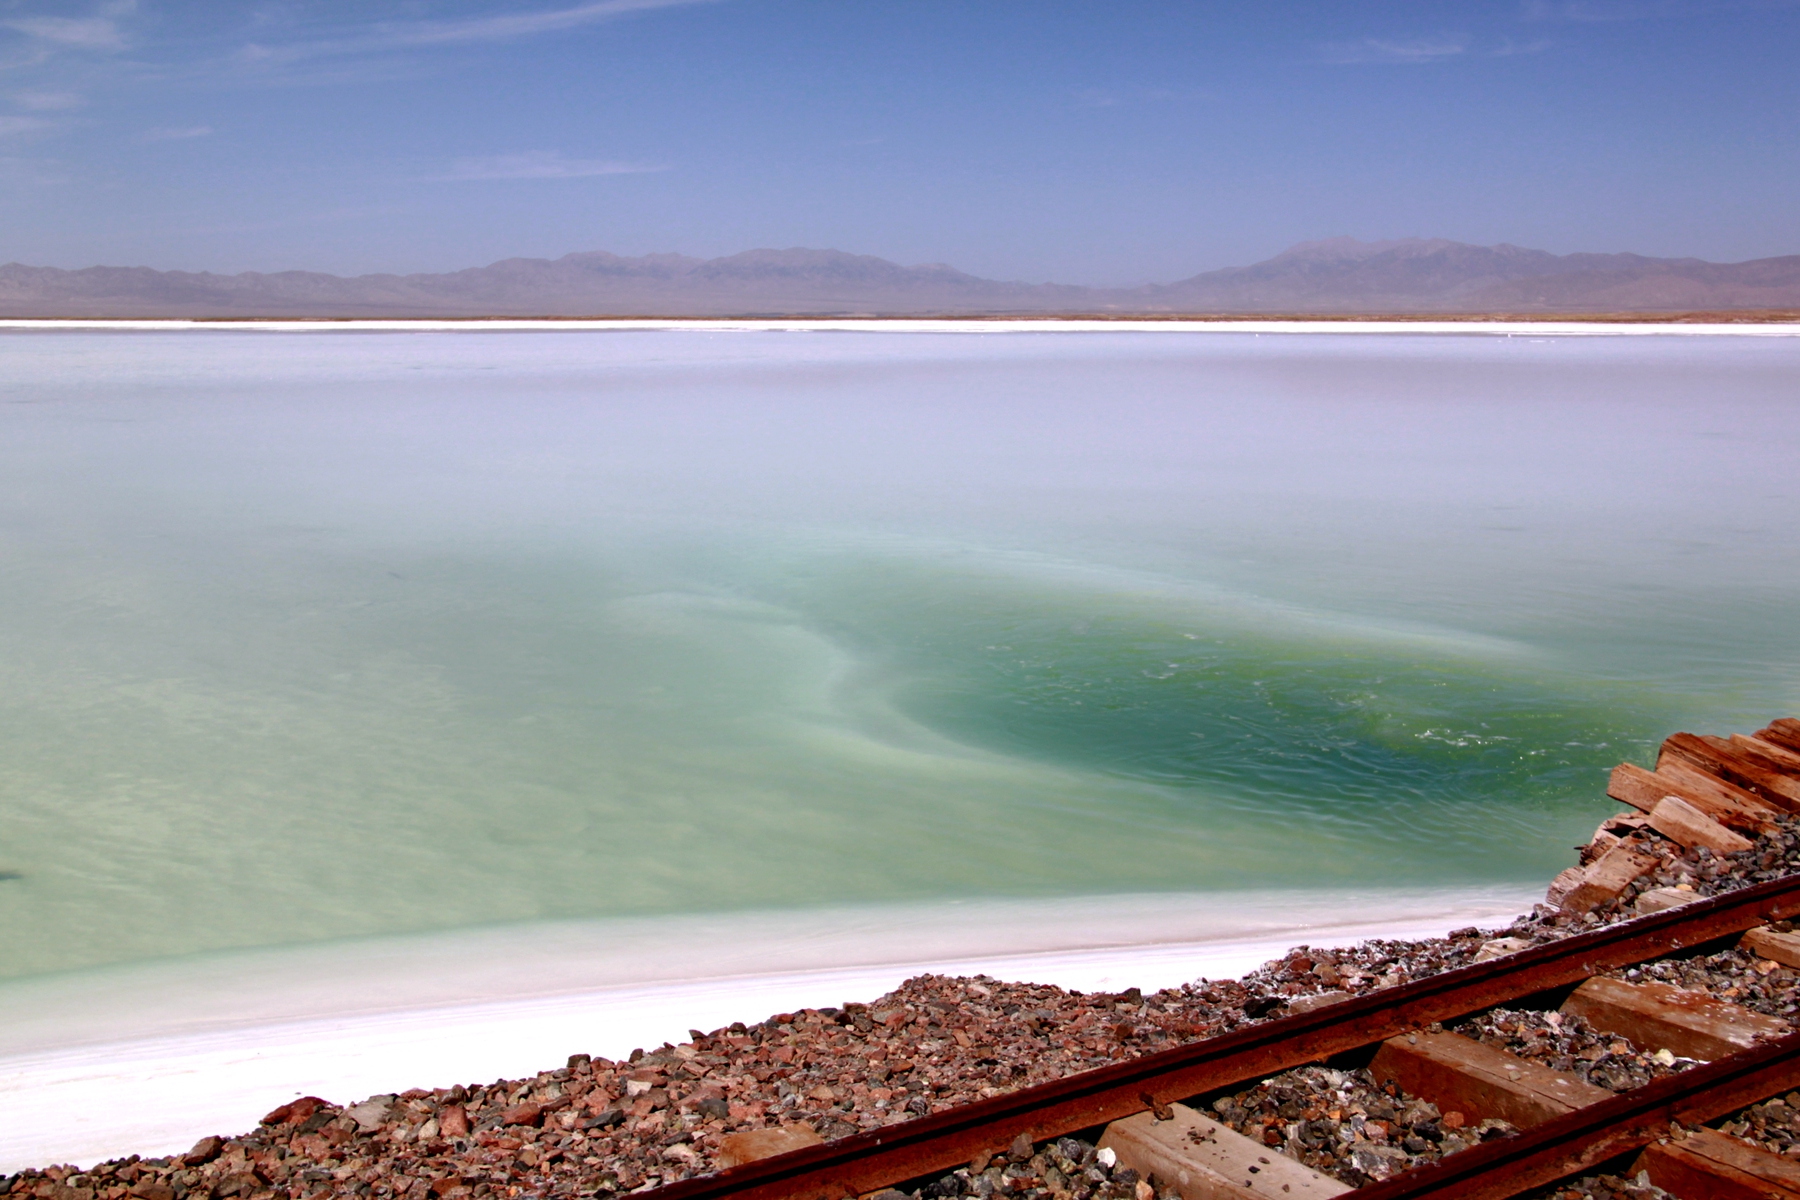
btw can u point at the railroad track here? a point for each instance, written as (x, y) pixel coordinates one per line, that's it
(1568, 1125)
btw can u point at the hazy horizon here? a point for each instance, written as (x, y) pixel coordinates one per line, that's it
(1337, 276)
(1176, 273)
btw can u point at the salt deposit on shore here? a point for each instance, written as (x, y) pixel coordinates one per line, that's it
(146, 1060)
(938, 325)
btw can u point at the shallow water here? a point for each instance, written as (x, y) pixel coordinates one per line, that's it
(307, 637)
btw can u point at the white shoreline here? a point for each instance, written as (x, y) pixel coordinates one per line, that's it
(210, 1045)
(911, 325)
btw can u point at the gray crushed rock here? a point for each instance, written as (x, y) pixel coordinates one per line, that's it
(1344, 1124)
(1737, 975)
(1568, 1044)
(1773, 1125)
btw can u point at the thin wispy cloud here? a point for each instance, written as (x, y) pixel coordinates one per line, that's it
(518, 25)
(21, 126)
(79, 33)
(1401, 51)
(1601, 10)
(48, 101)
(180, 134)
(501, 27)
(32, 54)
(542, 164)
(45, 36)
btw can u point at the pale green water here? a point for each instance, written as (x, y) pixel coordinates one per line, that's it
(306, 637)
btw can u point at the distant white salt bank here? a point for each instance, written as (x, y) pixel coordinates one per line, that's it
(926, 325)
(148, 1059)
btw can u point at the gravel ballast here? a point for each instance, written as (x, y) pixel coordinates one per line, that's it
(599, 1127)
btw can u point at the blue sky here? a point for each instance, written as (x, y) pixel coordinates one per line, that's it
(1080, 142)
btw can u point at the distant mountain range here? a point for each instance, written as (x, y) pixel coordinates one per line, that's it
(1341, 275)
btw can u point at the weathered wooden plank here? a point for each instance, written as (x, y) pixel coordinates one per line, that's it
(1566, 881)
(753, 1145)
(1607, 876)
(1719, 760)
(1500, 947)
(1768, 745)
(1663, 899)
(1586, 1138)
(1204, 1160)
(1613, 830)
(1699, 779)
(1686, 825)
(1774, 778)
(1783, 948)
(1717, 757)
(1732, 807)
(1656, 1016)
(1463, 1075)
(1709, 1165)
(1777, 758)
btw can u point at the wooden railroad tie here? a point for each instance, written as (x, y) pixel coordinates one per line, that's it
(1705, 792)
(1207, 1161)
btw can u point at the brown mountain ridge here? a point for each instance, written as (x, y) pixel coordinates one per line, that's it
(1337, 276)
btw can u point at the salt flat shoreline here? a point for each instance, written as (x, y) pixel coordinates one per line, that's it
(1500, 328)
(68, 1093)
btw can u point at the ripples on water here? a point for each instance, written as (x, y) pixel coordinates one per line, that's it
(314, 636)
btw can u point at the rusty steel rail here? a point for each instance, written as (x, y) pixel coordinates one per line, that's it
(944, 1141)
(1580, 1140)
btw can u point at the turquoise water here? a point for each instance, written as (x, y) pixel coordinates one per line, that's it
(318, 636)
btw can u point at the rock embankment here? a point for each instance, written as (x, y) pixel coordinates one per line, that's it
(595, 1126)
